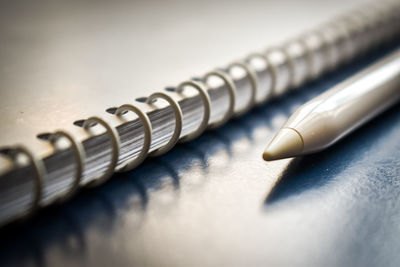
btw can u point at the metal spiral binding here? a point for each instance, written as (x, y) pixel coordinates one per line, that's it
(231, 93)
(178, 121)
(202, 90)
(296, 55)
(287, 66)
(280, 69)
(115, 142)
(315, 54)
(252, 76)
(79, 155)
(12, 153)
(251, 61)
(148, 131)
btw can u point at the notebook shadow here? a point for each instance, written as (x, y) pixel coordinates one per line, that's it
(68, 225)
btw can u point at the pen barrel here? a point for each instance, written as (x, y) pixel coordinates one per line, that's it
(334, 114)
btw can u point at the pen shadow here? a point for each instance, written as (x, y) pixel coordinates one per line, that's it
(68, 226)
(316, 170)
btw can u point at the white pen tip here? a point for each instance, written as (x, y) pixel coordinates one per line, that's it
(286, 144)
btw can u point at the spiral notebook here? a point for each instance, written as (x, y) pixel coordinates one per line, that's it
(82, 85)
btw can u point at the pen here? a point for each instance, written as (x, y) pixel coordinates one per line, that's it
(332, 115)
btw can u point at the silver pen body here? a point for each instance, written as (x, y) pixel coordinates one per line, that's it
(329, 117)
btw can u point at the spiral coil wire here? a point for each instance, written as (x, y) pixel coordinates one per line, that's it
(270, 74)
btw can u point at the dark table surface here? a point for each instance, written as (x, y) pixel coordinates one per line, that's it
(214, 202)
